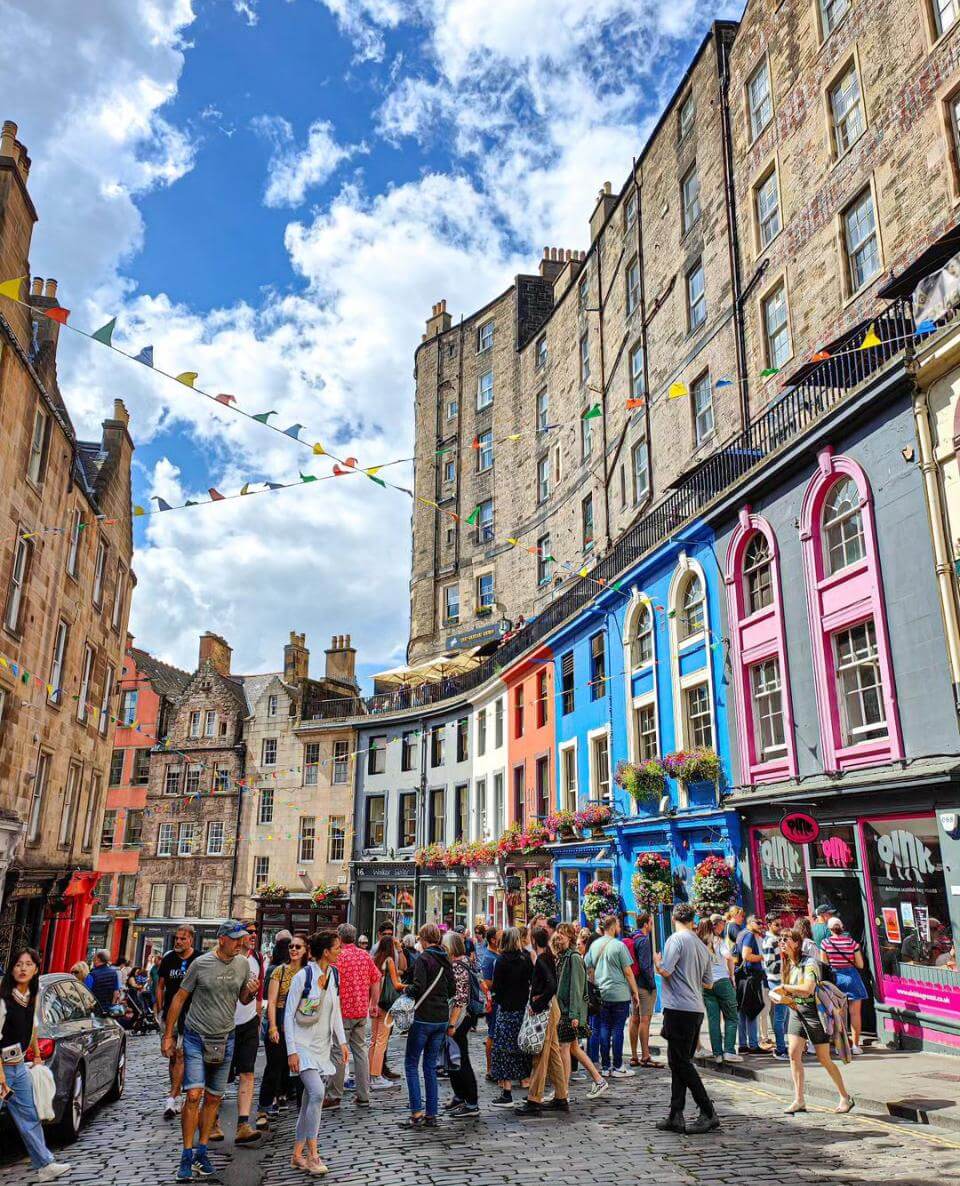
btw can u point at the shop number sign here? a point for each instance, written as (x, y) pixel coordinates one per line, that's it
(799, 828)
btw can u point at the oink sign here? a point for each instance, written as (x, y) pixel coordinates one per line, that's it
(799, 828)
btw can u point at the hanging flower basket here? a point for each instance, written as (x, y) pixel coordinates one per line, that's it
(516, 840)
(644, 782)
(693, 765)
(324, 893)
(599, 898)
(431, 857)
(594, 816)
(652, 882)
(713, 886)
(272, 890)
(562, 824)
(542, 896)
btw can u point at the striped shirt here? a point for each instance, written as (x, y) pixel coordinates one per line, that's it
(770, 949)
(840, 950)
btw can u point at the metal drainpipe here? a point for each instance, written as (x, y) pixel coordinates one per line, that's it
(941, 543)
(643, 336)
(603, 400)
(236, 841)
(733, 240)
(421, 800)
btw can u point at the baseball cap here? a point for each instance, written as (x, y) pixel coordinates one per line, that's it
(231, 930)
(823, 908)
(835, 924)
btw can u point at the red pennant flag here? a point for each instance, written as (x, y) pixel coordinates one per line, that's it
(475, 443)
(215, 495)
(338, 472)
(634, 403)
(226, 399)
(821, 356)
(352, 462)
(58, 314)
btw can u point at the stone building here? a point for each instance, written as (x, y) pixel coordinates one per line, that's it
(65, 583)
(148, 690)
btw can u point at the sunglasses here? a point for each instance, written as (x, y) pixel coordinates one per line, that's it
(297, 947)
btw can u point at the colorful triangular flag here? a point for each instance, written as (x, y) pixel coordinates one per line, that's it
(145, 356)
(870, 339)
(634, 403)
(275, 486)
(11, 288)
(583, 572)
(57, 313)
(263, 417)
(676, 390)
(224, 398)
(294, 431)
(724, 383)
(162, 504)
(215, 495)
(105, 333)
(511, 540)
(515, 436)
(245, 488)
(925, 327)
(475, 443)
(474, 515)
(137, 510)
(592, 413)
(307, 477)
(768, 371)
(187, 378)
(319, 450)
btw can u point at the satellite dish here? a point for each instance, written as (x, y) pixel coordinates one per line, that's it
(664, 805)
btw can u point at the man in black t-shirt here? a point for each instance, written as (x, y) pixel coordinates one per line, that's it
(173, 968)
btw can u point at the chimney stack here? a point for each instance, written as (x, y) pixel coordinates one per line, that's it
(439, 321)
(36, 287)
(8, 138)
(341, 662)
(555, 259)
(606, 200)
(215, 651)
(296, 659)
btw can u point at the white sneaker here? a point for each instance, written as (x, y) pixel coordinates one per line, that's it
(597, 1089)
(621, 1073)
(381, 1084)
(170, 1108)
(56, 1169)
(718, 1060)
(856, 1050)
(733, 1058)
(579, 1073)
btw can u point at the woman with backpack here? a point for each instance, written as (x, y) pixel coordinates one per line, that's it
(391, 986)
(511, 990)
(312, 1022)
(843, 954)
(801, 978)
(432, 986)
(573, 999)
(466, 1007)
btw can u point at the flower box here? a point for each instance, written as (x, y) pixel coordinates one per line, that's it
(694, 765)
(644, 782)
(599, 898)
(594, 816)
(562, 824)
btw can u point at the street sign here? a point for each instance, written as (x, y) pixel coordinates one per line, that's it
(477, 636)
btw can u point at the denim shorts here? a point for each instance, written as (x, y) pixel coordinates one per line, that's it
(196, 1073)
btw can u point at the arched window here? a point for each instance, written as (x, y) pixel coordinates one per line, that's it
(842, 526)
(757, 577)
(641, 647)
(690, 619)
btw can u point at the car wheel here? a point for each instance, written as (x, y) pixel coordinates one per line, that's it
(73, 1110)
(120, 1079)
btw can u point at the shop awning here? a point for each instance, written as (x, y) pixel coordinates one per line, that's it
(428, 672)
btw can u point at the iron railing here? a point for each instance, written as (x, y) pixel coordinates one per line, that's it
(818, 388)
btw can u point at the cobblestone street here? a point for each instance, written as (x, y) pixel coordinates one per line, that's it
(611, 1139)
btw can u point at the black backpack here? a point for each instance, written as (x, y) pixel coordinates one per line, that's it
(477, 1004)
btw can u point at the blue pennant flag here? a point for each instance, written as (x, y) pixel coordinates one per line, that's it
(162, 504)
(294, 431)
(145, 356)
(925, 327)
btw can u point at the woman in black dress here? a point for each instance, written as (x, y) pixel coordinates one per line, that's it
(511, 990)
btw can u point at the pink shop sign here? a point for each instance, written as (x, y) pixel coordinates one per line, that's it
(941, 999)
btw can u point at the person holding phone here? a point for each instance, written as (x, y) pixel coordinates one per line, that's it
(18, 1011)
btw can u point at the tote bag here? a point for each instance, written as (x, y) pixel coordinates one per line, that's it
(533, 1031)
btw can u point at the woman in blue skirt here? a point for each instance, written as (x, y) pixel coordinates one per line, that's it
(845, 957)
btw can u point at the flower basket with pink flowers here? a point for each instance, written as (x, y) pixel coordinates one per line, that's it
(713, 886)
(599, 898)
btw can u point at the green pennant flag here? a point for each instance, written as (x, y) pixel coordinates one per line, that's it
(592, 413)
(768, 371)
(262, 417)
(308, 477)
(379, 481)
(105, 332)
(474, 514)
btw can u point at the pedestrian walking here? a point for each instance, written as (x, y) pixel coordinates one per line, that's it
(609, 966)
(246, 1044)
(543, 999)
(464, 1011)
(749, 986)
(585, 940)
(170, 973)
(640, 947)
(511, 991)
(720, 998)
(684, 969)
(433, 987)
(289, 956)
(313, 1029)
(19, 990)
(845, 957)
(391, 985)
(104, 982)
(359, 994)
(772, 970)
(801, 976)
(488, 962)
(572, 999)
(212, 985)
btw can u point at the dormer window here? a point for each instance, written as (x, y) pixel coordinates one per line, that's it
(271, 706)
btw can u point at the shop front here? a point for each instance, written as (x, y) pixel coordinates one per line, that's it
(893, 877)
(486, 897)
(574, 867)
(383, 892)
(299, 914)
(445, 898)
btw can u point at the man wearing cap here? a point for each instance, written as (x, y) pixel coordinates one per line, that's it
(820, 930)
(213, 984)
(246, 1042)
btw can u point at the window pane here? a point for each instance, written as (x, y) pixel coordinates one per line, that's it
(757, 574)
(847, 108)
(696, 297)
(702, 409)
(859, 683)
(761, 107)
(863, 249)
(843, 526)
(775, 327)
(768, 209)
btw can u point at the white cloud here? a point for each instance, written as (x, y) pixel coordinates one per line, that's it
(248, 10)
(292, 171)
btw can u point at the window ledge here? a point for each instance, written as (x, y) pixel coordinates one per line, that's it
(844, 574)
(854, 296)
(864, 753)
(770, 769)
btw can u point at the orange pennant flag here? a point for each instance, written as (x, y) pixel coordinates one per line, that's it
(58, 314)
(821, 356)
(223, 398)
(215, 495)
(634, 403)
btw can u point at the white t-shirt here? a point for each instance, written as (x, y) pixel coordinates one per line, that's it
(242, 1012)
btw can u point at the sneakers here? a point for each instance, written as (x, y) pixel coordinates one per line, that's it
(529, 1108)
(784, 1057)
(454, 1103)
(247, 1135)
(464, 1111)
(703, 1123)
(389, 1074)
(170, 1108)
(350, 1084)
(556, 1105)
(503, 1100)
(184, 1172)
(856, 1050)
(362, 1103)
(718, 1060)
(597, 1089)
(330, 1102)
(56, 1169)
(381, 1084)
(202, 1165)
(577, 1073)
(621, 1072)
(262, 1122)
(733, 1058)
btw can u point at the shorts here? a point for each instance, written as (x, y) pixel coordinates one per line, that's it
(648, 1002)
(245, 1048)
(850, 982)
(568, 1032)
(805, 1023)
(196, 1073)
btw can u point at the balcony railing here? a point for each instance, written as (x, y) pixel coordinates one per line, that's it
(816, 388)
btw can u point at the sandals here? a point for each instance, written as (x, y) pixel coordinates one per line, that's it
(635, 1062)
(793, 1108)
(847, 1106)
(646, 1062)
(413, 1121)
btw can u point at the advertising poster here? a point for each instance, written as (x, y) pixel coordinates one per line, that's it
(891, 923)
(906, 913)
(922, 915)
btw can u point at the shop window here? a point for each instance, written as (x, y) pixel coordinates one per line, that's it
(781, 879)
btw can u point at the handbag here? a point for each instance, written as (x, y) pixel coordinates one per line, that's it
(404, 1007)
(214, 1050)
(44, 1089)
(308, 1012)
(533, 1031)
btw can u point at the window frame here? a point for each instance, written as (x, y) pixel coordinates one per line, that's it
(370, 824)
(686, 115)
(73, 552)
(17, 584)
(485, 390)
(865, 194)
(587, 522)
(451, 619)
(770, 175)
(762, 694)
(690, 206)
(694, 728)
(485, 340)
(777, 289)
(37, 452)
(632, 286)
(99, 572)
(86, 678)
(306, 839)
(840, 118)
(828, 526)
(702, 414)
(757, 129)
(696, 319)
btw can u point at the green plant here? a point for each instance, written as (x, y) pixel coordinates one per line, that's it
(542, 896)
(272, 889)
(713, 886)
(599, 898)
(644, 782)
(652, 884)
(694, 765)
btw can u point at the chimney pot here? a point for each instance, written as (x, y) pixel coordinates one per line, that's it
(443, 305)
(546, 253)
(50, 288)
(607, 188)
(36, 286)
(8, 138)
(347, 639)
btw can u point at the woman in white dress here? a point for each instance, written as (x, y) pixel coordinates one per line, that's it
(312, 1022)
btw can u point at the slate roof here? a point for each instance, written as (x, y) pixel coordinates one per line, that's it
(166, 680)
(254, 687)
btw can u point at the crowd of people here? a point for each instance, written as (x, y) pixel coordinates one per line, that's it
(560, 1004)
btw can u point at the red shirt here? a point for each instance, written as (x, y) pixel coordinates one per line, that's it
(358, 974)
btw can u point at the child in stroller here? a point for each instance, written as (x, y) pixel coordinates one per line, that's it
(138, 1016)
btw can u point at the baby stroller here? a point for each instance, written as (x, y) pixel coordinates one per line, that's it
(138, 1017)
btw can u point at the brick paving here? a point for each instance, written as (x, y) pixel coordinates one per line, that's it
(611, 1139)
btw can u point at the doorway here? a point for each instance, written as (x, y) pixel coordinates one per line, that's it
(844, 893)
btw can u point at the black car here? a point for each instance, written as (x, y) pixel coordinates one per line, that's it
(85, 1050)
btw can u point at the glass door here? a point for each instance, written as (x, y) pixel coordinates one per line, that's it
(844, 892)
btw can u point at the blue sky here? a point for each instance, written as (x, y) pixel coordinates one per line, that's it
(274, 193)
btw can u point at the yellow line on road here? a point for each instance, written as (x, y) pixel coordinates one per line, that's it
(921, 1131)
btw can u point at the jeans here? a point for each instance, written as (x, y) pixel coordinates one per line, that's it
(311, 1106)
(719, 1000)
(781, 1015)
(747, 1032)
(613, 1017)
(463, 1080)
(682, 1031)
(424, 1041)
(24, 1113)
(593, 1042)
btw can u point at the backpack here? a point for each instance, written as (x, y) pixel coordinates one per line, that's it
(477, 1004)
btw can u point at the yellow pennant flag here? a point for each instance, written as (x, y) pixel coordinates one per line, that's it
(677, 390)
(514, 436)
(511, 540)
(138, 510)
(319, 449)
(187, 378)
(871, 339)
(583, 572)
(374, 469)
(11, 288)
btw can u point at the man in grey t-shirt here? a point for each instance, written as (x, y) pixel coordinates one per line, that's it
(685, 971)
